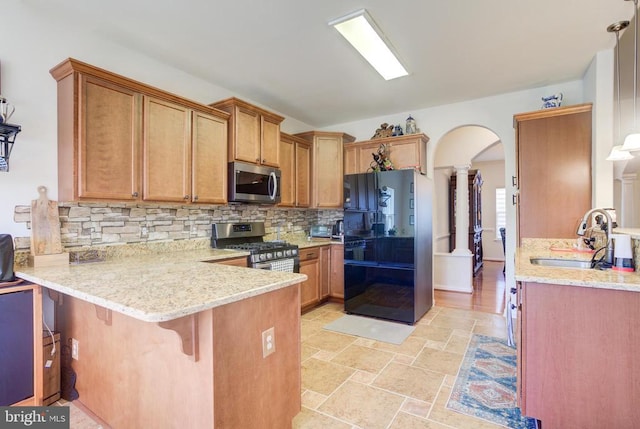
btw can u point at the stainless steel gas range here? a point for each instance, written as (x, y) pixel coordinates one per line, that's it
(249, 236)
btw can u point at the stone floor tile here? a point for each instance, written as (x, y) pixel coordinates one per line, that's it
(362, 405)
(363, 358)
(323, 377)
(408, 421)
(439, 361)
(310, 419)
(330, 341)
(441, 414)
(410, 381)
(457, 344)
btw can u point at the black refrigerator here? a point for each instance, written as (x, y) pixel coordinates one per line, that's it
(388, 245)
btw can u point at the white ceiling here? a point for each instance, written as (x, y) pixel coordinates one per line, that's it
(282, 54)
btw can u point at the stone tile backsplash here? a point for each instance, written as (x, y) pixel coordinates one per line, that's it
(87, 225)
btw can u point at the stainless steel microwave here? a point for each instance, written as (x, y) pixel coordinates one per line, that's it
(250, 183)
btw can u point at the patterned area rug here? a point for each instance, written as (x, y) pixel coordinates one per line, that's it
(486, 384)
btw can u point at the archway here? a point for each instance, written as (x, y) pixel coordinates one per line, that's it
(464, 148)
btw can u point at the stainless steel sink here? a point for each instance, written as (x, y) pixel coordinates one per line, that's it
(562, 263)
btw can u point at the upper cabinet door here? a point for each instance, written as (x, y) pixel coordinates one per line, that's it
(166, 151)
(247, 135)
(109, 144)
(270, 143)
(209, 146)
(287, 172)
(303, 175)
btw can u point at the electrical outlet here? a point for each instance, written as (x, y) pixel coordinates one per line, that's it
(144, 232)
(268, 342)
(75, 345)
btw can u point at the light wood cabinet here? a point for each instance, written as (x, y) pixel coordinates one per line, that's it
(310, 288)
(326, 167)
(577, 356)
(236, 262)
(336, 284)
(119, 139)
(254, 133)
(209, 165)
(409, 151)
(166, 151)
(553, 152)
(295, 167)
(325, 272)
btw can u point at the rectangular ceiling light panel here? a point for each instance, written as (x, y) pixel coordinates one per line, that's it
(361, 31)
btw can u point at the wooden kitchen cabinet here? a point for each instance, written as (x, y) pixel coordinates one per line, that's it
(336, 284)
(326, 167)
(119, 139)
(295, 168)
(553, 153)
(209, 168)
(310, 288)
(236, 262)
(577, 356)
(166, 151)
(181, 154)
(325, 272)
(409, 151)
(254, 133)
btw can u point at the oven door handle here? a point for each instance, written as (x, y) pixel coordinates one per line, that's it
(273, 180)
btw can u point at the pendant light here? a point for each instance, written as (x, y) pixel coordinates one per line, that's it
(617, 153)
(632, 141)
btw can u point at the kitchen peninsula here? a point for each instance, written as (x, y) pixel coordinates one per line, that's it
(170, 340)
(578, 339)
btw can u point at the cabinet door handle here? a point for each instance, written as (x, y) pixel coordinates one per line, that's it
(264, 160)
(514, 181)
(134, 195)
(514, 199)
(186, 197)
(195, 198)
(257, 159)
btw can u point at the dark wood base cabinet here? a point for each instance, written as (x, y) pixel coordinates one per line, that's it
(578, 356)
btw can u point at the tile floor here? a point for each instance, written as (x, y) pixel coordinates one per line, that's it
(351, 382)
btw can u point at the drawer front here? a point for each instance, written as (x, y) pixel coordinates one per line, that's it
(307, 254)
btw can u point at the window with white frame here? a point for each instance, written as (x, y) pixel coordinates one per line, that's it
(501, 215)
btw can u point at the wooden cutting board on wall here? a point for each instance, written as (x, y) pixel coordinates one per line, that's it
(46, 244)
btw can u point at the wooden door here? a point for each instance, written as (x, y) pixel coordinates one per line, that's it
(328, 176)
(554, 171)
(309, 289)
(303, 174)
(166, 151)
(209, 161)
(269, 142)
(247, 135)
(336, 284)
(109, 147)
(287, 172)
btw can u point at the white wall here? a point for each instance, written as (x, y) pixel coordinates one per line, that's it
(35, 43)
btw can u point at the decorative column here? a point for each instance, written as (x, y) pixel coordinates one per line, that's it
(462, 210)
(627, 219)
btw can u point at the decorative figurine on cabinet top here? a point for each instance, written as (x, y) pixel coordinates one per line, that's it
(397, 131)
(551, 101)
(411, 126)
(385, 130)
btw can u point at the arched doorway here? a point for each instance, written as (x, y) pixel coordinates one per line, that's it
(463, 149)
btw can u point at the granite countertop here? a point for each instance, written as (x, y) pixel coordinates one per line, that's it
(161, 287)
(559, 249)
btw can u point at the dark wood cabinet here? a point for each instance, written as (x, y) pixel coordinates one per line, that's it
(475, 216)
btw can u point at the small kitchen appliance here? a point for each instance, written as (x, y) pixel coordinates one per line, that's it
(249, 236)
(622, 253)
(338, 229)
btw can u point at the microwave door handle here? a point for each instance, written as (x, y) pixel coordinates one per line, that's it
(273, 179)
